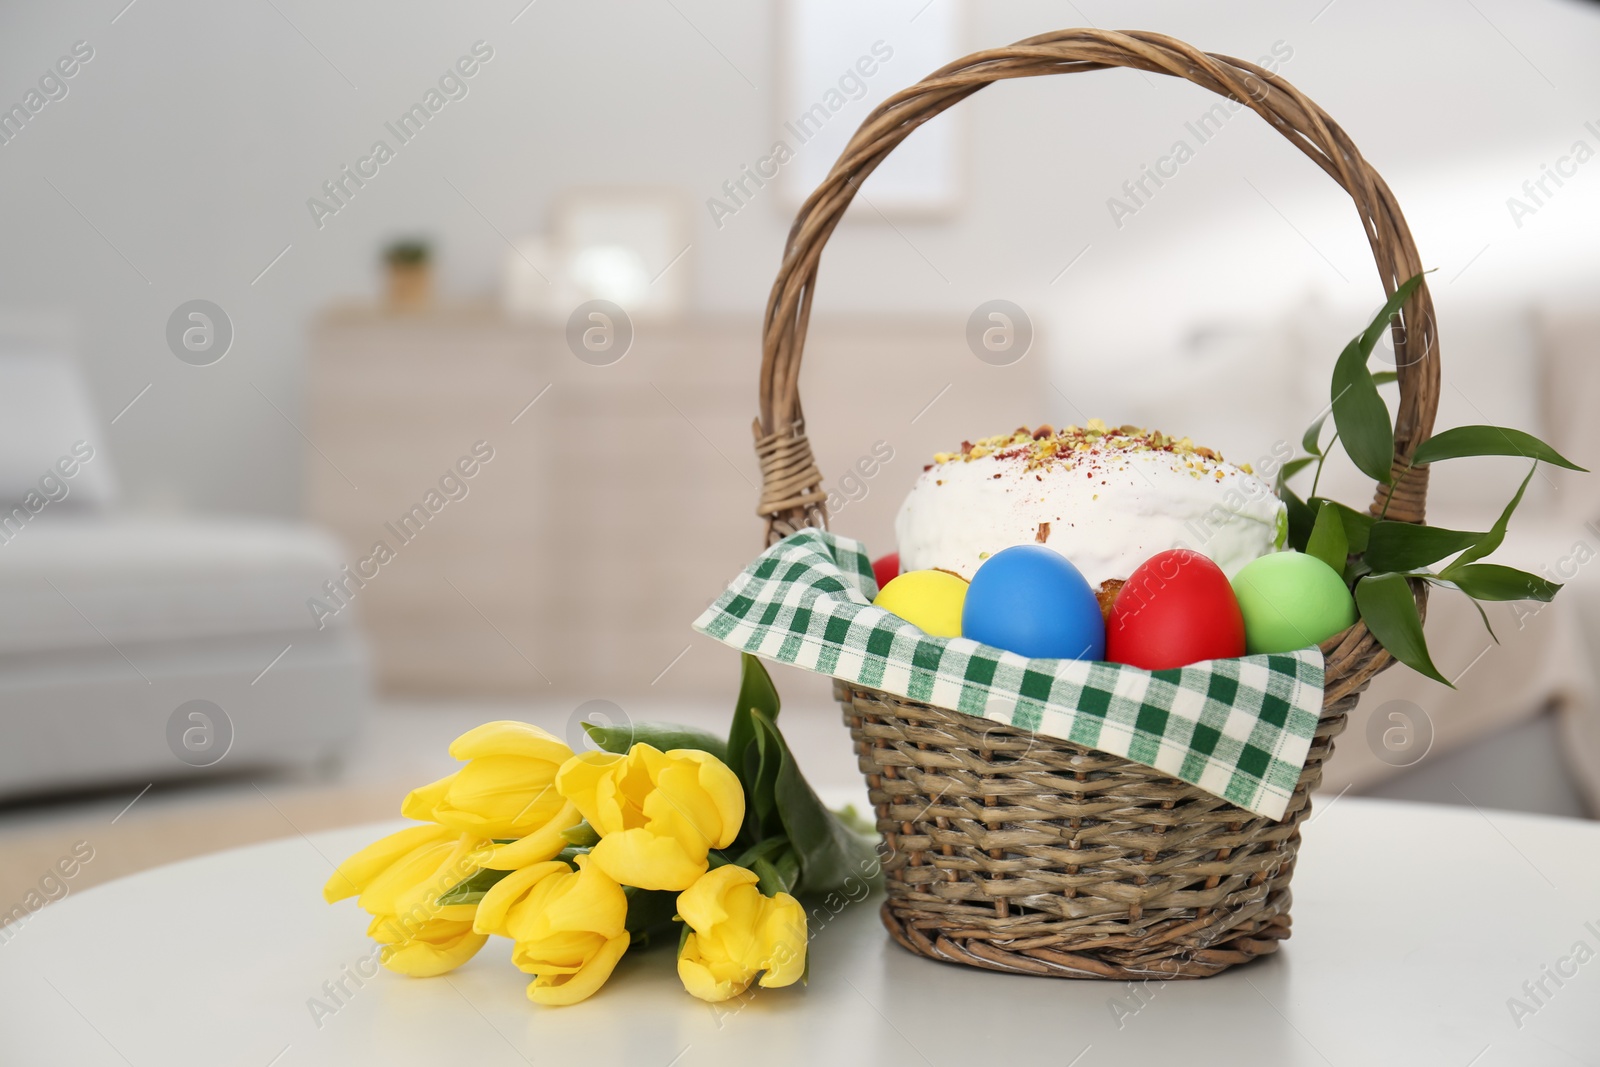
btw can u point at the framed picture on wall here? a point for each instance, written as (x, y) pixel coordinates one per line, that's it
(838, 59)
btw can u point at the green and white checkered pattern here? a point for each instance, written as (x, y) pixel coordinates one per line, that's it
(1239, 729)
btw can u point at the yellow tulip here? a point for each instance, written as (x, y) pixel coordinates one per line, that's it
(737, 934)
(568, 927)
(506, 790)
(398, 881)
(658, 813)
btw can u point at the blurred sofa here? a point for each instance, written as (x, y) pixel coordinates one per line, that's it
(135, 648)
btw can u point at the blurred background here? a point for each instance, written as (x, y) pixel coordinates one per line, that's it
(368, 371)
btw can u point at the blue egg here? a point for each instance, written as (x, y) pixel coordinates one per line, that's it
(1030, 600)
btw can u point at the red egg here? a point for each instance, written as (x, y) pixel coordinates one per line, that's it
(886, 568)
(1176, 608)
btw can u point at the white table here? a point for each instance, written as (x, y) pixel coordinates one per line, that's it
(1413, 927)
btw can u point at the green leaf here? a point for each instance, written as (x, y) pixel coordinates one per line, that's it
(1384, 377)
(1359, 413)
(1357, 524)
(1301, 518)
(1328, 541)
(1293, 467)
(762, 814)
(831, 855)
(1497, 533)
(1484, 615)
(1405, 546)
(761, 850)
(581, 836)
(1313, 435)
(779, 871)
(650, 913)
(471, 889)
(1390, 612)
(1491, 581)
(666, 736)
(757, 694)
(1461, 441)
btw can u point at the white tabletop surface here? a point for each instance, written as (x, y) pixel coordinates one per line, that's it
(1414, 927)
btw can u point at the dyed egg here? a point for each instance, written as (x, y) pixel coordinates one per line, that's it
(929, 600)
(1029, 600)
(886, 569)
(1176, 608)
(1291, 600)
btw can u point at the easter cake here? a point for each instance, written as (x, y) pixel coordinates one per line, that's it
(1105, 498)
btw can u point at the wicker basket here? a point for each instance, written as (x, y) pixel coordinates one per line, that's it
(1017, 852)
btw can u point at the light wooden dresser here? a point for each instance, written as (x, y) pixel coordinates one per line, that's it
(621, 501)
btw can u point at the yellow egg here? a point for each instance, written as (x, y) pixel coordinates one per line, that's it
(929, 600)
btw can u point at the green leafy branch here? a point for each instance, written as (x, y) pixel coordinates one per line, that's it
(1380, 558)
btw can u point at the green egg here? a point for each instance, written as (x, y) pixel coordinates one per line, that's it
(1291, 600)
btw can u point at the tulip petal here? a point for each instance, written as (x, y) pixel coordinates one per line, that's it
(569, 989)
(579, 779)
(723, 788)
(679, 808)
(543, 844)
(510, 738)
(492, 909)
(414, 883)
(642, 859)
(421, 803)
(591, 901)
(783, 933)
(356, 873)
(440, 948)
(699, 979)
(560, 953)
(501, 796)
(703, 904)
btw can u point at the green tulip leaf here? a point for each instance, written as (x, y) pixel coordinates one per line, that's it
(666, 736)
(1491, 581)
(831, 855)
(1328, 541)
(650, 914)
(762, 804)
(778, 870)
(471, 889)
(756, 693)
(581, 836)
(1390, 612)
(1359, 413)
(1405, 546)
(1462, 441)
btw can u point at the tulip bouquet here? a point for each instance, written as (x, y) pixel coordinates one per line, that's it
(578, 857)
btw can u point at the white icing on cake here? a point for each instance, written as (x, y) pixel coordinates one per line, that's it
(1111, 499)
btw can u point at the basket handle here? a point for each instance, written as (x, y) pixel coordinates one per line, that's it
(791, 493)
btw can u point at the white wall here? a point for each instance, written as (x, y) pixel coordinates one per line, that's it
(193, 138)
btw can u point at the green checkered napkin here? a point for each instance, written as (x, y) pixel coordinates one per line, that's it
(1239, 729)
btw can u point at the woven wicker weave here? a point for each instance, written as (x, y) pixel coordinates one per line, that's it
(1022, 853)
